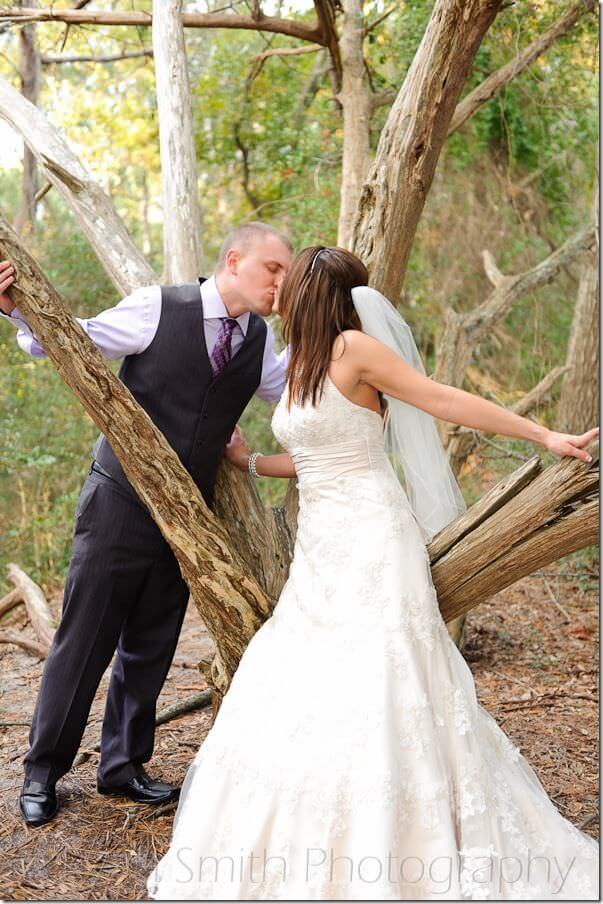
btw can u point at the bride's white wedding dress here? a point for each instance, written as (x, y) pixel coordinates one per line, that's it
(350, 758)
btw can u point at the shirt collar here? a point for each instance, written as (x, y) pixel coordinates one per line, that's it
(213, 306)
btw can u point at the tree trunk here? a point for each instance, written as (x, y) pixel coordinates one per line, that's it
(30, 72)
(394, 194)
(355, 99)
(92, 208)
(181, 213)
(579, 401)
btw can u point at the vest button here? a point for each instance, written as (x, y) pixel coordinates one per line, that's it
(200, 442)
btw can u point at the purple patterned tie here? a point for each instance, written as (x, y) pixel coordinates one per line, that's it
(222, 349)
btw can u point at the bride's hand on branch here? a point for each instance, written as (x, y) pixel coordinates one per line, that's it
(7, 278)
(237, 450)
(570, 444)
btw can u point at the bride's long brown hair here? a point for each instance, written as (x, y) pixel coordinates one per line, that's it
(315, 304)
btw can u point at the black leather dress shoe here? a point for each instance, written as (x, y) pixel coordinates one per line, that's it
(38, 802)
(142, 789)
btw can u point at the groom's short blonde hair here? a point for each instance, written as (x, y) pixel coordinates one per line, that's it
(244, 235)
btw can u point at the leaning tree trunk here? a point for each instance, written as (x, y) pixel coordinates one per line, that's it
(30, 72)
(355, 99)
(231, 601)
(394, 194)
(579, 401)
(92, 208)
(181, 212)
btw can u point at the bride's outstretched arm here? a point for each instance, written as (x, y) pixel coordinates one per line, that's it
(238, 452)
(377, 365)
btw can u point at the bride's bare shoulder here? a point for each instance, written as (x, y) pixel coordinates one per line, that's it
(354, 342)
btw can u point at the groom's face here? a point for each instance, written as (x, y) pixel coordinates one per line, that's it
(259, 271)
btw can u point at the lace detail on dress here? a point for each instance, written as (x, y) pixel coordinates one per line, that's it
(351, 739)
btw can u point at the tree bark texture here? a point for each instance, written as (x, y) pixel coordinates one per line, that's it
(30, 72)
(355, 99)
(181, 212)
(579, 401)
(399, 180)
(555, 514)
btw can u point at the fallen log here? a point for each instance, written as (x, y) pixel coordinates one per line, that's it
(12, 599)
(19, 640)
(35, 604)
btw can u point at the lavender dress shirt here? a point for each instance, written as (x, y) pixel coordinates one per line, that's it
(130, 327)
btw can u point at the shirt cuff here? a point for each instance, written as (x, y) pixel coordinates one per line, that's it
(19, 320)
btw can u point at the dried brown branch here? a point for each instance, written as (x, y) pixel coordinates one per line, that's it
(35, 603)
(326, 11)
(190, 20)
(372, 25)
(464, 331)
(287, 51)
(7, 603)
(25, 643)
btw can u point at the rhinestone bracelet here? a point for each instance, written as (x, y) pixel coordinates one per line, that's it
(251, 464)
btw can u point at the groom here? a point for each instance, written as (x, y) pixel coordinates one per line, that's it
(194, 355)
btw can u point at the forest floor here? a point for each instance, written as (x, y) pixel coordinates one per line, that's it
(532, 650)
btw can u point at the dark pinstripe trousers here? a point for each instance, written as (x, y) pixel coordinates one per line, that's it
(124, 592)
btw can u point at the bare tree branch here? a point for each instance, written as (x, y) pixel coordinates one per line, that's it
(287, 51)
(49, 60)
(371, 27)
(325, 13)
(492, 85)
(190, 20)
(464, 331)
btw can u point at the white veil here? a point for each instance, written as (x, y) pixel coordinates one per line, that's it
(412, 438)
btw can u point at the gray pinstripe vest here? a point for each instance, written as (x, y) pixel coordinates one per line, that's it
(174, 382)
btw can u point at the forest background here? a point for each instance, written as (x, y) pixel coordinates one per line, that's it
(516, 179)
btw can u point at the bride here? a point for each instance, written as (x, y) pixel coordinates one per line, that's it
(350, 758)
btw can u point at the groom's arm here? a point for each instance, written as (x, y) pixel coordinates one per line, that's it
(128, 328)
(274, 370)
